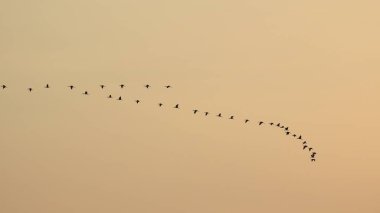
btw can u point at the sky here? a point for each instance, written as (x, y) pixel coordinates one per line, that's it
(313, 66)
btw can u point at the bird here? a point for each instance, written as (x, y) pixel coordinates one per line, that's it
(85, 93)
(47, 86)
(305, 146)
(122, 86)
(287, 128)
(278, 124)
(3, 86)
(294, 135)
(137, 101)
(231, 117)
(313, 154)
(176, 106)
(160, 104)
(313, 159)
(304, 142)
(310, 149)
(206, 113)
(102, 86)
(260, 123)
(30, 89)
(119, 99)
(300, 137)
(168, 86)
(147, 86)
(219, 115)
(246, 121)
(195, 111)
(110, 96)
(271, 124)
(282, 127)
(71, 87)
(287, 133)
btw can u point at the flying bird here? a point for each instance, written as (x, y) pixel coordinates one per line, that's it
(119, 99)
(102, 86)
(294, 135)
(304, 142)
(147, 86)
(47, 86)
(304, 147)
(310, 149)
(176, 106)
(195, 111)
(168, 86)
(85, 93)
(71, 87)
(271, 124)
(110, 96)
(3, 86)
(260, 123)
(287, 133)
(300, 137)
(287, 128)
(313, 154)
(137, 101)
(313, 159)
(160, 104)
(278, 124)
(219, 115)
(30, 89)
(246, 121)
(232, 117)
(206, 113)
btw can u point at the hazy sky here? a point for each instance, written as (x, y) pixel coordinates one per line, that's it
(312, 65)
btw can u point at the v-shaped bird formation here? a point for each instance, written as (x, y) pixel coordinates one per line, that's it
(298, 137)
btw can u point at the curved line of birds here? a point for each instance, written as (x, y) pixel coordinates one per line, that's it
(305, 145)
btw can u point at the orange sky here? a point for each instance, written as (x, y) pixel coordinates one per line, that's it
(312, 65)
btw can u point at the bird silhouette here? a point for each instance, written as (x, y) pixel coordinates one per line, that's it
(71, 87)
(219, 115)
(282, 127)
(195, 111)
(122, 86)
(206, 113)
(3, 86)
(287, 133)
(300, 137)
(176, 106)
(294, 135)
(232, 117)
(85, 93)
(246, 121)
(313, 159)
(304, 142)
(160, 104)
(102, 86)
(137, 101)
(30, 89)
(271, 124)
(110, 96)
(168, 86)
(147, 86)
(287, 128)
(278, 124)
(305, 146)
(119, 99)
(260, 123)
(310, 149)
(47, 86)
(313, 154)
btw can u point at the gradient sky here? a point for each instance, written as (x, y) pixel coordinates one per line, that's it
(311, 65)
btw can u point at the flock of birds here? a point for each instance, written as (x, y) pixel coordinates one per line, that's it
(305, 145)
